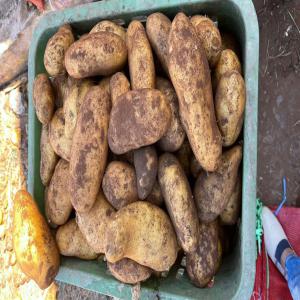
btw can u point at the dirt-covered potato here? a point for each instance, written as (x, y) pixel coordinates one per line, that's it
(71, 242)
(195, 167)
(100, 53)
(58, 205)
(128, 271)
(139, 118)
(140, 57)
(179, 201)
(142, 232)
(190, 75)
(93, 223)
(202, 264)
(230, 104)
(212, 191)
(59, 142)
(209, 36)
(158, 27)
(89, 149)
(145, 164)
(43, 98)
(34, 246)
(48, 156)
(110, 26)
(56, 48)
(119, 184)
(72, 104)
(119, 85)
(175, 135)
(156, 197)
(231, 213)
(60, 87)
(105, 85)
(184, 156)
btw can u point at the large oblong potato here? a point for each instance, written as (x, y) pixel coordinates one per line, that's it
(58, 206)
(140, 57)
(48, 157)
(110, 26)
(139, 118)
(175, 135)
(190, 75)
(230, 104)
(100, 53)
(119, 85)
(43, 98)
(56, 48)
(142, 232)
(59, 142)
(33, 243)
(179, 201)
(119, 184)
(89, 149)
(158, 27)
(209, 36)
(202, 264)
(212, 191)
(71, 242)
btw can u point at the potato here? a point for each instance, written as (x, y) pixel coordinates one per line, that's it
(105, 85)
(145, 164)
(60, 86)
(89, 149)
(58, 205)
(43, 98)
(203, 264)
(119, 85)
(35, 248)
(110, 26)
(195, 167)
(142, 232)
(139, 118)
(228, 62)
(93, 223)
(100, 53)
(129, 271)
(140, 58)
(231, 213)
(190, 75)
(175, 135)
(184, 155)
(209, 36)
(48, 156)
(179, 201)
(72, 104)
(212, 191)
(71, 242)
(56, 48)
(59, 142)
(230, 104)
(156, 197)
(119, 184)
(158, 27)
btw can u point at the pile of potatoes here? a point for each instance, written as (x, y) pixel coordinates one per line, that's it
(139, 138)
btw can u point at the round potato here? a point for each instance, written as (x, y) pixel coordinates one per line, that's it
(175, 135)
(140, 58)
(119, 184)
(179, 201)
(138, 119)
(58, 205)
(209, 36)
(119, 85)
(59, 142)
(48, 157)
(156, 197)
(71, 242)
(110, 26)
(190, 75)
(158, 27)
(55, 50)
(230, 104)
(43, 98)
(100, 53)
(145, 164)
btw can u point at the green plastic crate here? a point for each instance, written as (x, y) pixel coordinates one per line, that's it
(236, 277)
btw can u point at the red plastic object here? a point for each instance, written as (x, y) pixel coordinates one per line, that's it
(289, 218)
(38, 3)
